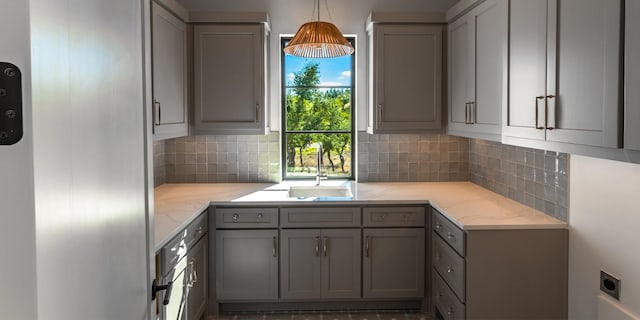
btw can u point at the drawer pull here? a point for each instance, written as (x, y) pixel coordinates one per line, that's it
(438, 226)
(450, 269)
(259, 217)
(450, 311)
(450, 236)
(235, 217)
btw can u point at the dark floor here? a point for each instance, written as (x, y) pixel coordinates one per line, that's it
(326, 315)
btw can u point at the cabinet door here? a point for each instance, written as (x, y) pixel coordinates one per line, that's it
(632, 76)
(197, 279)
(461, 72)
(247, 264)
(300, 264)
(341, 263)
(527, 67)
(169, 50)
(230, 77)
(580, 103)
(478, 69)
(587, 106)
(393, 263)
(408, 78)
(490, 28)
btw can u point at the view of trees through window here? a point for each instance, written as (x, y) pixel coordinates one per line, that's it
(317, 108)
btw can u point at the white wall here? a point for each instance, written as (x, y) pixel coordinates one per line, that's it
(348, 15)
(604, 218)
(17, 215)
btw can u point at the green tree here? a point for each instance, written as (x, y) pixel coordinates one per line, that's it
(312, 109)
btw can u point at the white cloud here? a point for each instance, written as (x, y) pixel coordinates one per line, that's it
(345, 74)
(291, 76)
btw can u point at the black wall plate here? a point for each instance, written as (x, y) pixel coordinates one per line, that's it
(11, 129)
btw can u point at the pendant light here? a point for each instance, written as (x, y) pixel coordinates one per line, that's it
(319, 39)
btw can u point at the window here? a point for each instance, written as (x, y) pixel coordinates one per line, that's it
(317, 107)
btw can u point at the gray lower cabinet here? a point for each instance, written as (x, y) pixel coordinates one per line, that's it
(498, 274)
(246, 265)
(197, 278)
(393, 263)
(320, 263)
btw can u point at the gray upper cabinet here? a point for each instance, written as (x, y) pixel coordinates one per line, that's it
(169, 60)
(320, 263)
(564, 72)
(246, 264)
(405, 78)
(632, 76)
(478, 71)
(230, 79)
(393, 263)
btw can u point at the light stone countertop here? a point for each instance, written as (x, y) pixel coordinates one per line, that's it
(468, 205)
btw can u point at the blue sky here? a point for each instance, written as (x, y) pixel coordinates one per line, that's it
(333, 71)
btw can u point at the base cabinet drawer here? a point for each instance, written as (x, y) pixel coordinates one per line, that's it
(450, 266)
(232, 218)
(447, 306)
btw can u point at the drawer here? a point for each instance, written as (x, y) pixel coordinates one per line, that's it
(181, 243)
(393, 217)
(450, 266)
(453, 235)
(445, 300)
(320, 217)
(230, 218)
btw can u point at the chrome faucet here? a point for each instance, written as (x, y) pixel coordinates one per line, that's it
(319, 176)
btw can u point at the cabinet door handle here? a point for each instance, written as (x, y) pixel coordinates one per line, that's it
(550, 112)
(317, 246)
(367, 246)
(275, 245)
(257, 118)
(158, 108)
(325, 245)
(379, 120)
(472, 107)
(466, 113)
(537, 111)
(193, 273)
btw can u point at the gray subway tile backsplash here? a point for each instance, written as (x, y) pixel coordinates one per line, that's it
(412, 157)
(536, 178)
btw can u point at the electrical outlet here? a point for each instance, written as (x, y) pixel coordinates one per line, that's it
(610, 284)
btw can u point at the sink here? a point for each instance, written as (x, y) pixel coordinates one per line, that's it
(319, 191)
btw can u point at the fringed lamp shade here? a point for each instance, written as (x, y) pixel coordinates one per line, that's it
(319, 39)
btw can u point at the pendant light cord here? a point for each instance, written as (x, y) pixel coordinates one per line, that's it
(328, 12)
(315, 13)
